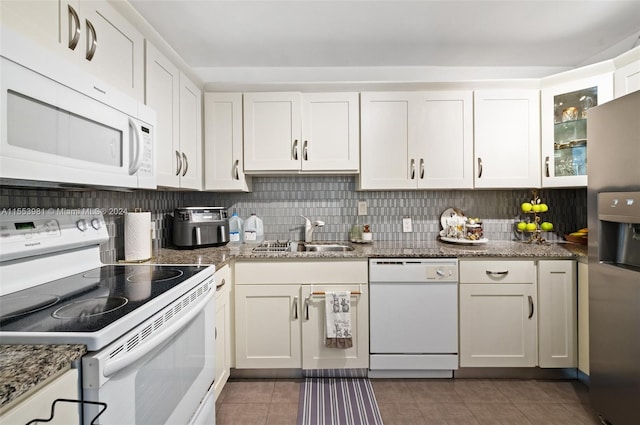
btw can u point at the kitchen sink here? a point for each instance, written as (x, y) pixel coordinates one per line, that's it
(312, 247)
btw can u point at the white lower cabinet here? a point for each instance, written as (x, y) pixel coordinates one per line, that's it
(38, 405)
(498, 322)
(276, 327)
(223, 328)
(517, 313)
(267, 326)
(557, 315)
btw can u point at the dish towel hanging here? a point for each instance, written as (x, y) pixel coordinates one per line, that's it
(338, 319)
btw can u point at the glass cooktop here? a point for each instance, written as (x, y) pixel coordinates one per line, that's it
(91, 300)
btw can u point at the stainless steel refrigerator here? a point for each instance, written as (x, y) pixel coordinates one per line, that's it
(613, 198)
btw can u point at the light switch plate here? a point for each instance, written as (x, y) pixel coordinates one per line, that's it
(362, 207)
(406, 225)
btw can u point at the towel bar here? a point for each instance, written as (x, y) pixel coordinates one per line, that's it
(323, 293)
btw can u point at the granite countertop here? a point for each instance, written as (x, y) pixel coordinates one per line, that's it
(220, 256)
(24, 367)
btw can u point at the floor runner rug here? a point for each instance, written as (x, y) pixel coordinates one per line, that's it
(338, 401)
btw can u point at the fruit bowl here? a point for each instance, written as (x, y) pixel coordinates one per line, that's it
(582, 240)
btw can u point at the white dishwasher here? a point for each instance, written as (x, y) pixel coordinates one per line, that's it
(413, 309)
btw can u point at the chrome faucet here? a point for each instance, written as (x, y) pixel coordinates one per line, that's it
(310, 227)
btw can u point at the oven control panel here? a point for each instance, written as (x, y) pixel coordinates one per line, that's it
(26, 232)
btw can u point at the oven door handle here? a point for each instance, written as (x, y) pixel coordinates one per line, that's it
(160, 338)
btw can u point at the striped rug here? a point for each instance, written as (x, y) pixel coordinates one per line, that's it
(338, 401)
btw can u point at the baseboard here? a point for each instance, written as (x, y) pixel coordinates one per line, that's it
(515, 373)
(265, 374)
(584, 378)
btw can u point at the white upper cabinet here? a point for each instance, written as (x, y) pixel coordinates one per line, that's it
(38, 19)
(565, 107)
(330, 132)
(294, 132)
(416, 140)
(223, 161)
(90, 34)
(388, 123)
(272, 131)
(627, 73)
(178, 105)
(190, 135)
(507, 138)
(162, 94)
(110, 47)
(445, 140)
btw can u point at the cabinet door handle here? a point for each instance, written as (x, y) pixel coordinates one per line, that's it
(413, 169)
(219, 287)
(74, 34)
(178, 163)
(479, 167)
(295, 149)
(236, 169)
(306, 307)
(546, 166)
(421, 168)
(492, 273)
(186, 164)
(305, 154)
(92, 40)
(295, 308)
(531, 308)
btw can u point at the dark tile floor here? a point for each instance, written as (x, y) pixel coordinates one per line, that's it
(423, 402)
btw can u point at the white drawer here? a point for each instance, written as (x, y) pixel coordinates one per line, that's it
(497, 271)
(301, 272)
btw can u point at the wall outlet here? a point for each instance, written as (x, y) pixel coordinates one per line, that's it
(406, 225)
(362, 207)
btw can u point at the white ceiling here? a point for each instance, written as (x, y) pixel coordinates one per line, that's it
(300, 40)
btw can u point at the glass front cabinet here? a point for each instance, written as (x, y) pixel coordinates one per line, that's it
(565, 111)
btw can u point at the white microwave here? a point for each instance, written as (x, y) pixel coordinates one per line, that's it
(53, 133)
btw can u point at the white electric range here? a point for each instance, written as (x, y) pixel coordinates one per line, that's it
(149, 329)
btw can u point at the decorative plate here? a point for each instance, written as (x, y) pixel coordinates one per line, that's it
(464, 241)
(448, 213)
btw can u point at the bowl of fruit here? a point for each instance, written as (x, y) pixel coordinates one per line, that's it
(580, 236)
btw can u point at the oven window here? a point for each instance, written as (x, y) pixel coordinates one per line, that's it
(161, 382)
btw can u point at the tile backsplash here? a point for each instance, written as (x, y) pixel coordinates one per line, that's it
(280, 201)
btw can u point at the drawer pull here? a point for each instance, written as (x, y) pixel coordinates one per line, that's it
(295, 308)
(531, 308)
(490, 273)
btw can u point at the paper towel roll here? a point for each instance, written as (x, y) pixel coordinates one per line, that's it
(137, 236)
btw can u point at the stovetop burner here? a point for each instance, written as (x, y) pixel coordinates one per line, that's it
(14, 306)
(91, 300)
(154, 276)
(90, 307)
